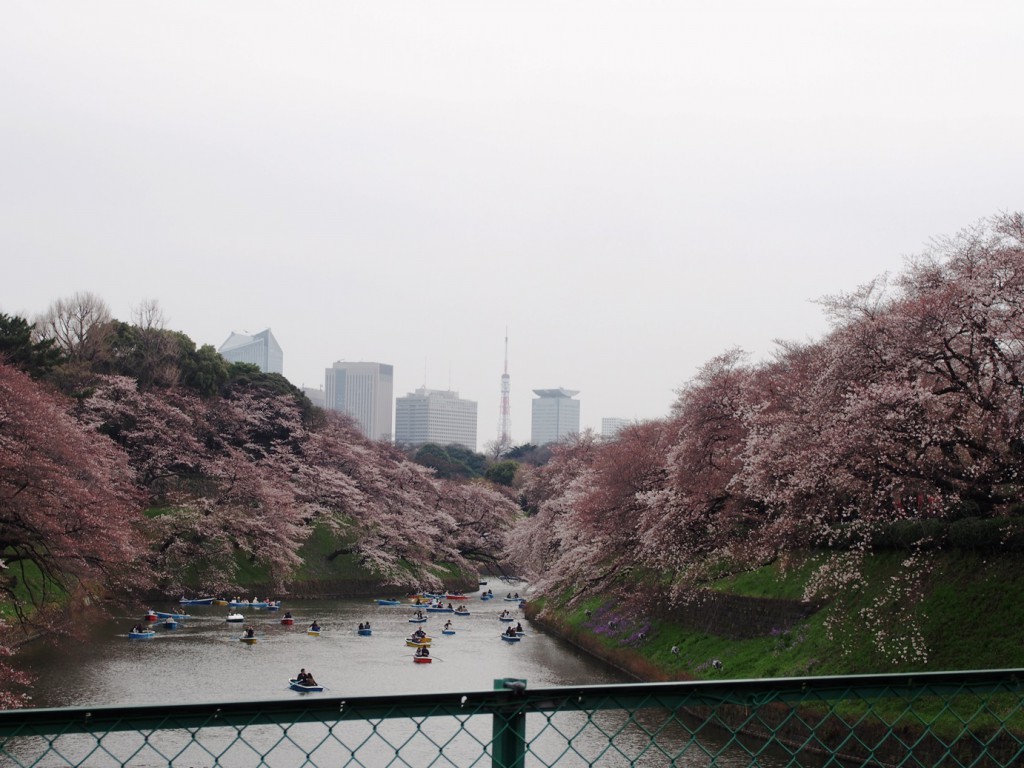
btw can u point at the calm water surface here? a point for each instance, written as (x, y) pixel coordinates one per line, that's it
(203, 661)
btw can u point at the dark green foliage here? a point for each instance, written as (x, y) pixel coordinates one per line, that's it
(441, 461)
(502, 473)
(203, 370)
(988, 534)
(475, 462)
(37, 359)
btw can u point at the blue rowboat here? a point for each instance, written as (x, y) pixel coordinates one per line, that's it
(461, 613)
(447, 631)
(197, 601)
(511, 639)
(505, 618)
(295, 685)
(381, 601)
(142, 635)
(365, 632)
(415, 620)
(439, 609)
(164, 615)
(170, 624)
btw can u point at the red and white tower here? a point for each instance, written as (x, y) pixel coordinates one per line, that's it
(504, 410)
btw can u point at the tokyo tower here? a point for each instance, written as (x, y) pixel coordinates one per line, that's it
(504, 410)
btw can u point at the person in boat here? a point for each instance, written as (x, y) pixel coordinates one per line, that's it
(448, 624)
(288, 614)
(422, 651)
(419, 634)
(519, 627)
(367, 625)
(138, 628)
(250, 631)
(510, 632)
(309, 679)
(301, 677)
(509, 595)
(315, 626)
(360, 626)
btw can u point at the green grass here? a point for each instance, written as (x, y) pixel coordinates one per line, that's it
(970, 617)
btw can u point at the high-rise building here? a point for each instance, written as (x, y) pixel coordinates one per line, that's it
(316, 396)
(612, 425)
(259, 349)
(554, 415)
(364, 391)
(435, 416)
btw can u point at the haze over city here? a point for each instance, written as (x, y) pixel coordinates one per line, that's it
(627, 190)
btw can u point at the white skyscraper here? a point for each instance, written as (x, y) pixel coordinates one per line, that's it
(364, 391)
(554, 415)
(612, 425)
(259, 349)
(435, 416)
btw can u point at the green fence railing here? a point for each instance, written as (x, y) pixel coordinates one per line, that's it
(931, 719)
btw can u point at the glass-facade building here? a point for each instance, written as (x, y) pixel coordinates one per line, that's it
(259, 349)
(435, 416)
(554, 415)
(364, 391)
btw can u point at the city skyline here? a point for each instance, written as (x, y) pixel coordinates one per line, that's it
(629, 189)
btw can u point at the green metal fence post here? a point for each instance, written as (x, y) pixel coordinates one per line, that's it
(508, 731)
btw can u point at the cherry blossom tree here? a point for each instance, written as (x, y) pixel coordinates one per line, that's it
(69, 513)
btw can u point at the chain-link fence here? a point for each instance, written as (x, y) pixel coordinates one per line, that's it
(933, 719)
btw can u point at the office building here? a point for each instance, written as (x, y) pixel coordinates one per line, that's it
(554, 415)
(364, 391)
(435, 416)
(611, 426)
(259, 349)
(316, 396)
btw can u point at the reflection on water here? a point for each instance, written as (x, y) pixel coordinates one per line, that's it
(203, 661)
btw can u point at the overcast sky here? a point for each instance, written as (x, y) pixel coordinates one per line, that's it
(630, 188)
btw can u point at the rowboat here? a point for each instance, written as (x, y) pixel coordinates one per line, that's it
(447, 631)
(456, 597)
(164, 615)
(288, 620)
(295, 685)
(462, 612)
(150, 616)
(511, 599)
(141, 635)
(511, 638)
(170, 623)
(313, 632)
(505, 618)
(197, 601)
(418, 643)
(422, 659)
(382, 601)
(439, 609)
(417, 620)
(219, 602)
(235, 618)
(247, 639)
(366, 632)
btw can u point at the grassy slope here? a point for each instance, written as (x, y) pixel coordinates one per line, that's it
(971, 618)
